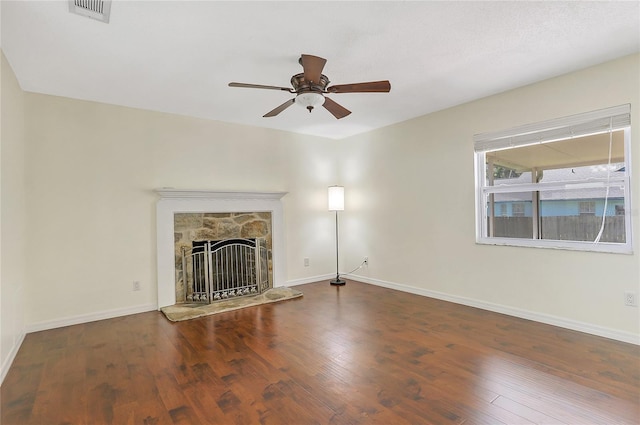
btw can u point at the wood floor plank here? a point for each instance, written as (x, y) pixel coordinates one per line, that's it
(358, 354)
(525, 412)
(62, 384)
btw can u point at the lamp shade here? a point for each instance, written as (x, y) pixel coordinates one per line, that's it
(336, 198)
(310, 99)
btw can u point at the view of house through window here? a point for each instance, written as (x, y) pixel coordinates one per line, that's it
(564, 192)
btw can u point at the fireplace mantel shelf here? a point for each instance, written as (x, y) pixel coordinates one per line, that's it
(169, 193)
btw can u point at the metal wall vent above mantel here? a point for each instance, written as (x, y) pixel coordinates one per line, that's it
(95, 9)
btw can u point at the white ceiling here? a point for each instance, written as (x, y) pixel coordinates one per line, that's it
(179, 56)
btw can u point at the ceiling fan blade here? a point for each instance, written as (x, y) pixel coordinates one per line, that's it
(370, 87)
(259, 86)
(335, 109)
(280, 108)
(312, 66)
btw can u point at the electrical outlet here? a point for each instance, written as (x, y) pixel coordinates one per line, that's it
(136, 285)
(366, 261)
(306, 262)
(631, 299)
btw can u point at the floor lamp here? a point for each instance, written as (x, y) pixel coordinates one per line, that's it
(336, 203)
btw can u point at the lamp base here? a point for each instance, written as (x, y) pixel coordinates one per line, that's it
(337, 282)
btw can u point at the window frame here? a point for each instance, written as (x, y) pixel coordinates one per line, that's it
(488, 142)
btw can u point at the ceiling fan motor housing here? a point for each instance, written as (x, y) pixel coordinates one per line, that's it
(300, 85)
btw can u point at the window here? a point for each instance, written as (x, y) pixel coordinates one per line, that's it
(518, 209)
(587, 207)
(562, 183)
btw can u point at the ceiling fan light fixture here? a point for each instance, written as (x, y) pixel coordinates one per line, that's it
(310, 100)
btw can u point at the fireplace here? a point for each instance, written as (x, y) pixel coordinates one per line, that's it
(253, 215)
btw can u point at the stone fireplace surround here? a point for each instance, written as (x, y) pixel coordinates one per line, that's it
(174, 201)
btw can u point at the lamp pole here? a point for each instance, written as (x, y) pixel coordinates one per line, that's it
(337, 280)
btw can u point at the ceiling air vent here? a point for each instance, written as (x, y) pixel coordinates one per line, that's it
(95, 9)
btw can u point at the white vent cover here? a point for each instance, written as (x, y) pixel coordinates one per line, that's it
(95, 9)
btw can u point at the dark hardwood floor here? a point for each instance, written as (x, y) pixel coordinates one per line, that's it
(339, 355)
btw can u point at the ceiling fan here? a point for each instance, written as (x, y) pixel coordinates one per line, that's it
(310, 87)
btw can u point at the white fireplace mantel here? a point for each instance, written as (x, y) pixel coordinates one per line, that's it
(169, 193)
(174, 201)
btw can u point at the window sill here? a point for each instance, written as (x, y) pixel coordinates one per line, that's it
(604, 247)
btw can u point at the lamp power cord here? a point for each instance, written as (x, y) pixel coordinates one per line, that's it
(356, 269)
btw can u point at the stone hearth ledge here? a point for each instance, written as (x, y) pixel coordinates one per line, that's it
(179, 312)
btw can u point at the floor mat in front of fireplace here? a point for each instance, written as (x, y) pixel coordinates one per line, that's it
(179, 312)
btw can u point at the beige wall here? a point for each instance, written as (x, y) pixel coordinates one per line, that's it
(411, 191)
(12, 213)
(92, 169)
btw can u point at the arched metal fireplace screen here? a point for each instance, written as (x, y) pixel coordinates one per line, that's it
(223, 269)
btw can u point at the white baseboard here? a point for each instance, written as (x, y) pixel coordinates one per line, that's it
(91, 317)
(313, 279)
(11, 357)
(511, 311)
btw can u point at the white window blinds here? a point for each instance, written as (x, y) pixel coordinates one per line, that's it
(600, 121)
